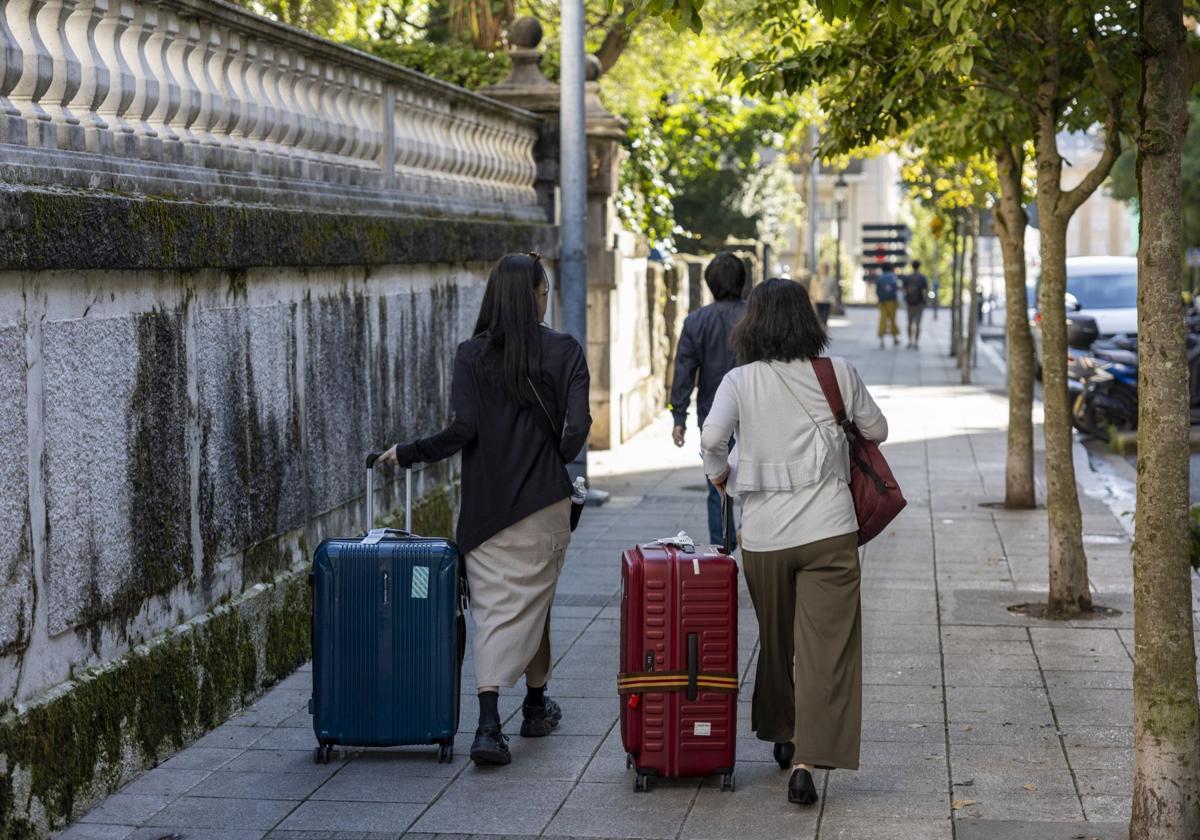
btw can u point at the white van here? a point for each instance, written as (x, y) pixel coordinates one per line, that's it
(1104, 288)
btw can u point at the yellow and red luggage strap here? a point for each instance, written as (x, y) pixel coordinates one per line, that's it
(641, 681)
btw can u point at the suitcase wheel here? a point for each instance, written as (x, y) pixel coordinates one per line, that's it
(322, 753)
(446, 753)
(641, 783)
(727, 783)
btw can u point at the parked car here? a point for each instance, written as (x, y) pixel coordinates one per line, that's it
(1102, 288)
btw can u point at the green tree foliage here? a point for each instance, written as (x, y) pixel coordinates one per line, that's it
(1122, 184)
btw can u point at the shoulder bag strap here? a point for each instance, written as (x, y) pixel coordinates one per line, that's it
(823, 368)
(551, 432)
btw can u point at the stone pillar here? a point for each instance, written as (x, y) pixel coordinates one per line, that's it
(527, 88)
(614, 374)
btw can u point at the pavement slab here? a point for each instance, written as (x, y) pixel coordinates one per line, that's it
(979, 723)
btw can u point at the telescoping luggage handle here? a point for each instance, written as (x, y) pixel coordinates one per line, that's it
(374, 535)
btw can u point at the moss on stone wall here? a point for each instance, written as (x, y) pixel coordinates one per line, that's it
(108, 229)
(61, 754)
(434, 514)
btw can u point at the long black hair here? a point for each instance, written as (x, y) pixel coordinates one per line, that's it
(780, 324)
(508, 319)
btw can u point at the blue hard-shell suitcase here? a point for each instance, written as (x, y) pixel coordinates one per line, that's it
(388, 637)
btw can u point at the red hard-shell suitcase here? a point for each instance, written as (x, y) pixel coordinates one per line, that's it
(679, 672)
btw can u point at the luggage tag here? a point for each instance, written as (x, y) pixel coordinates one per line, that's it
(685, 544)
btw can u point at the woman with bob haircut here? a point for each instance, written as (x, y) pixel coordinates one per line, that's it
(799, 531)
(520, 401)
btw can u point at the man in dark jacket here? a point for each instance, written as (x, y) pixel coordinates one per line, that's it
(705, 354)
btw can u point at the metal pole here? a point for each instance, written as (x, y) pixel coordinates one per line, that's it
(573, 173)
(814, 163)
(837, 260)
(572, 263)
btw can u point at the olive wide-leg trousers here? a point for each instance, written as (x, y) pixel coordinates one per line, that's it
(807, 602)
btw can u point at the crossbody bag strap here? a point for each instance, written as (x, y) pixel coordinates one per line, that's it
(551, 432)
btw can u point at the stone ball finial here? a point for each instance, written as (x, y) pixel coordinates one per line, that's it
(592, 68)
(525, 33)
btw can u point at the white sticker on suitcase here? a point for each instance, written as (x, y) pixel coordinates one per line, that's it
(703, 728)
(420, 582)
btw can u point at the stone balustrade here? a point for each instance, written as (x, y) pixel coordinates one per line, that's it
(201, 99)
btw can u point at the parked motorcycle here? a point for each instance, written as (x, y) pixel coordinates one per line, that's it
(1102, 377)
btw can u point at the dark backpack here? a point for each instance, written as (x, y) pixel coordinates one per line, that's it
(915, 289)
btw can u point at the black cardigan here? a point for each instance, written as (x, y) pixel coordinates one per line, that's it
(509, 467)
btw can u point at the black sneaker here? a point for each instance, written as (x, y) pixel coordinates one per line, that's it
(490, 747)
(539, 720)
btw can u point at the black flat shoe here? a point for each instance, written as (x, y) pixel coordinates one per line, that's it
(490, 747)
(783, 754)
(801, 790)
(539, 720)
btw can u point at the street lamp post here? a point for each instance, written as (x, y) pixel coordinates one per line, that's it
(839, 192)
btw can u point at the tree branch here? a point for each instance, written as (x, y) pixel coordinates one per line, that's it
(616, 38)
(1110, 86)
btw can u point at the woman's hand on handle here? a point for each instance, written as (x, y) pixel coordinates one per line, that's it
(719, 482)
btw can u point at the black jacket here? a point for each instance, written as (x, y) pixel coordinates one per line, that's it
(510, 468)
(704, 346)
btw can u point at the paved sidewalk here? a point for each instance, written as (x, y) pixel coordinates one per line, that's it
(978, 723)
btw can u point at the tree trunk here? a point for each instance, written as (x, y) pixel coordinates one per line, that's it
(955, 287)
(1166, 786)
(1009, 223)
(1069, 593)
(968, 352)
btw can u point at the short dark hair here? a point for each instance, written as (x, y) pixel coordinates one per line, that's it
(726, 276)
(780, 324)
(916, 265)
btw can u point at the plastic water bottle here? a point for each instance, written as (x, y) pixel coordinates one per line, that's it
(580, 492)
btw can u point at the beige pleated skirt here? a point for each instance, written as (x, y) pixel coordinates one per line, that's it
(512, 578)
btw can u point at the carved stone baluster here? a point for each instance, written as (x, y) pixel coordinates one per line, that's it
(146, 84)
(181, 57)
(289, 115)
(199, 64)
(93, 73)
(242, 79)
(374, 109)
(341, 139)
(165, 111)
(352, 97)
(226, 107)
(12, 127)
(121, 86)
(404, 140)
(265, 82)
(230, 69)
(66, 77)
(491, 162)
(298, 91)
(318, 129)
(36, 71)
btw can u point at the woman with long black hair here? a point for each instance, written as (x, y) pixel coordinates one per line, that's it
(520, 401)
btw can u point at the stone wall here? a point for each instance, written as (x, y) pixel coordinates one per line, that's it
(233, 259)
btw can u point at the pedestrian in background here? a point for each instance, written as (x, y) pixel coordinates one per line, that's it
(887, 287)
(704, 356)
(520, 399)
(916, 295)
(799, 530)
